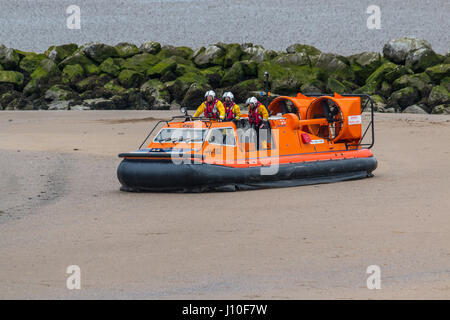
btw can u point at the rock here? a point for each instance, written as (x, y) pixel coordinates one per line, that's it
(313, 86)
(438, 72)
(421, 82)
(386, 89)
(303, 48)
(170, 51)
(335, 85)
(421, 59)
(207, 57)
(99, 52)
(161, 68)
(140, 62)
(234, 75)
(126, 50)
(250, 68)
(151, 47)
(9, 59)
(59, 105)
(194, 96)
(398, 50)
(441, 109)
(72, 74)
(213, 75)
(389, 110)
(111, 67)
(8, 97)
(13, 77)
(333, 63)
(30, 62)
(299, 59)
(379, 104)
(403, 98)
(99, 104)
(76, 58)
(446, 83)
(256, 53)
(414, 109)
(387, 71)
(92, 82)
(364, 64)
(79, 108)
(114, 88)
(59, 93)
(156, 95)
(130, 78)
(92, 69)
(244, 89)
(59, 53)
(397, 72)
(32, 87)
(233, 54)
(439, 95)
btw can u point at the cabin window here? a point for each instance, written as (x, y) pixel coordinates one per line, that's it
(177, 135)
(222, 136)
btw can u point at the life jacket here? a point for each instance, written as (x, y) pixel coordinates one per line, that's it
(229, 114)
(211, 110)
(253, 116)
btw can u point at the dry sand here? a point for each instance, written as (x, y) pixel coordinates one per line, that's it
(60, 205)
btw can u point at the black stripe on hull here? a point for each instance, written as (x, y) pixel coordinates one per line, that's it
(141, 175)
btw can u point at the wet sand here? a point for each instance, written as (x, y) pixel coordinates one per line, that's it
(60, 205)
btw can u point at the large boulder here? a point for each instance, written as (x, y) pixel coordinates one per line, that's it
(256, 53)
(421, 59)
(446, 83)
(334, 85)
(244, 89)
(12, 77)
(31, 61)
(421, 82)
(416, 109)
(398, 50)
(441, 109)
(72, 73)
(438, 72)
(92, 82)
(234, 75)
(130, 78)
(156, 94)
(161, 68)
(111, 66)
(298, 58)
(335, 64)
(151, 47)
(99, 52)
(170, 51)
(439, 95)
(213, 75)
(388, 71)
(46, 69)
(126, 50)
(303, 48)
(59, 53)
(364, 64)
(233, 54)
(59, 93)
(210, 56)
(9, 59)
(113, 87)
(194, 96)
(140, 62)
(403, 98)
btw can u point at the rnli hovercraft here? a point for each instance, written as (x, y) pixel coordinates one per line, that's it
(311, 139)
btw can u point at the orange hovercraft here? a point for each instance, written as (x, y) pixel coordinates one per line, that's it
(311, 139)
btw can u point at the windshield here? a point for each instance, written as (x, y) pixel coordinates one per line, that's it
(187, 135)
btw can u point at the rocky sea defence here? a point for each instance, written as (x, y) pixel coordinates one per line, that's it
(406, 76)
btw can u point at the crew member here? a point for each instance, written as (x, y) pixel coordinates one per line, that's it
(258, 119)
(211, 107)
(232, 110)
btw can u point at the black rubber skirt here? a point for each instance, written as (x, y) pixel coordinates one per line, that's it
(165, 176)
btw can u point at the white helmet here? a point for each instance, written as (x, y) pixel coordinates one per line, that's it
(252, 100)
(228, 94)
(210, 93)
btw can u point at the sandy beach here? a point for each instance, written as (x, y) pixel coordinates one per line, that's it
(60, 205)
